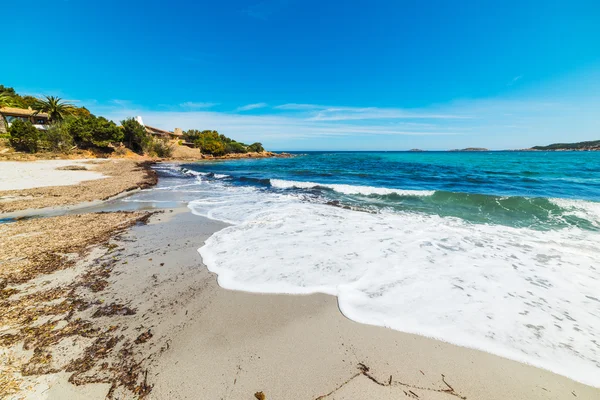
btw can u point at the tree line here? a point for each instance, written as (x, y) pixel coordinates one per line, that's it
(74, 127)
(213, 143)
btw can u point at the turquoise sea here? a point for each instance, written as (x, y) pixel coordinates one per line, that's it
(509, 188)
(498, 251)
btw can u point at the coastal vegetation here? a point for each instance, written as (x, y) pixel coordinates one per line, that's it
(54, 106)
(70, 127)
(24, 136)
(135, 136)
(161, 148)
(58, 139)
(213, 143)
(579, 146)
(92, 132)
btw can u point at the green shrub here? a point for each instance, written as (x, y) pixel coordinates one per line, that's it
(57, 138)
(93, 131)
(24, 136)
(191, 135)
(210, 146)
(135, 136)
(211, 142)
(120, 150)
(235, 147)
(256, 148)
(161, 148)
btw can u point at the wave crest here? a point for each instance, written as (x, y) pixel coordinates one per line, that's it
(348, 189)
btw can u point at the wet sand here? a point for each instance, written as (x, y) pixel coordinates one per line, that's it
(119, 305)
(207, 342)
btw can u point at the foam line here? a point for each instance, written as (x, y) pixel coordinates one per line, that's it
(348, 189)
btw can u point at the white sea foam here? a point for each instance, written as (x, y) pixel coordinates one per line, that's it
(532, 296)
(587, 210)
(348, 189)
(191, 172)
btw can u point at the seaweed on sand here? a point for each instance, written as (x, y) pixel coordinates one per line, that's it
(40, 317)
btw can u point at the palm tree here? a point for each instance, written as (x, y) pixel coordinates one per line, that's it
(6, 100)
(55, 107)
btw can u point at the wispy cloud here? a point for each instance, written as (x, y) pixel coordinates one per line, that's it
(121, 103)
(318, 112)
(494, 123)
(274, 127)
(253, 106)
(197, 105)
(515, 80)
(299, 106)
(354, 114)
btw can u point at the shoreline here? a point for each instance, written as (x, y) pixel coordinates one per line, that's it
(287, 346)
(201, 338)
(195, 155)
(120, 176)
(196, 337)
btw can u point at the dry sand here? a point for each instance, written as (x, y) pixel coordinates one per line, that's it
(161, 327)
(15, 175)
(118, 176)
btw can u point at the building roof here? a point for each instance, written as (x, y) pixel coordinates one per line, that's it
(21, 112)
(156, 131)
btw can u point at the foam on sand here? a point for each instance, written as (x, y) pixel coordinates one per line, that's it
(18, 175)
(524, 294)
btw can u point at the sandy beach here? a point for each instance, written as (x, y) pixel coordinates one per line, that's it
(120, 305)
(295, 200)
(19, 175)
(64, 183)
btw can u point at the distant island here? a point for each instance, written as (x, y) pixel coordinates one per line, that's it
(579, 146)
(471, 149)
(417, 150)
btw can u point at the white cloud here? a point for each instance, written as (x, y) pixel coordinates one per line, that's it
(497, 123)
(121, 103)
(254, 106)
(515, 79)
(253, 127)
(348, 113)
(299, 106)
(197, 105)
(317, 112)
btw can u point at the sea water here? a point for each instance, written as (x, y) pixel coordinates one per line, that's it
(498, 251)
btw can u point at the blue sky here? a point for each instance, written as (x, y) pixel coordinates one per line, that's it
(309, 75)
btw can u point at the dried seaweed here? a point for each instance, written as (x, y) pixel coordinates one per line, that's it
(144, 337)
(113, 309)
(108, 359)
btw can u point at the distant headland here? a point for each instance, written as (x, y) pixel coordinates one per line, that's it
(579, 146)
